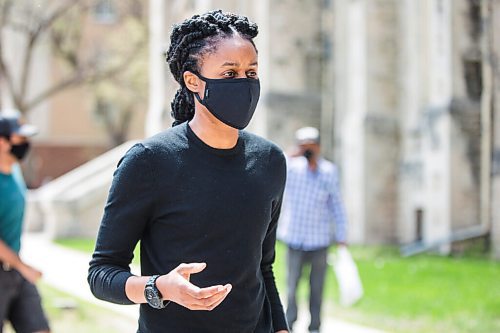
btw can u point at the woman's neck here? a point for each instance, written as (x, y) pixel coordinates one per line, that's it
(213, 132)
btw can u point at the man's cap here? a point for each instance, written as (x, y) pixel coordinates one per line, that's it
(5, 129)
(306, 135)
(17, 125)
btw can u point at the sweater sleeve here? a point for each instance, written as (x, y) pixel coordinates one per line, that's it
(268, 257)
(128, 209)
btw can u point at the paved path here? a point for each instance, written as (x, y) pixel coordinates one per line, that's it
(66, 270)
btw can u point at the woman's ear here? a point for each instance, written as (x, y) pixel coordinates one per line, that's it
(192, 81)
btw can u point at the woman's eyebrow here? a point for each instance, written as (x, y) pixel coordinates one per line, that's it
(228, 63)
(236, 64)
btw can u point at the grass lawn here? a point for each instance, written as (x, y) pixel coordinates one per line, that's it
(425, 293)
(69, 314)
(87, 245)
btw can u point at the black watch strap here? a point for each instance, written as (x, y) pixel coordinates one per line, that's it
(152, 281)
(153, 295)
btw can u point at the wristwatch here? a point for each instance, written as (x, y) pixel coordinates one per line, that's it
(153, 295)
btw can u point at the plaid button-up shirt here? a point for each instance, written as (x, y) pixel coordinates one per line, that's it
(313, 213)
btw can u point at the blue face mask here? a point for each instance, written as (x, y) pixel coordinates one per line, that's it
(232, 101)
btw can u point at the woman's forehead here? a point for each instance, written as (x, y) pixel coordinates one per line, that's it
(233, 51)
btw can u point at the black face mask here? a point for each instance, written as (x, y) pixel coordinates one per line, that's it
(20, 151)
(232, 101)
(308, 153)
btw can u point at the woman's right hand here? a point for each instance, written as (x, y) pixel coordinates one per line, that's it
(175, 287)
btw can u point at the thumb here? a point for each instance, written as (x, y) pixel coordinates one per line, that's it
(191, 268)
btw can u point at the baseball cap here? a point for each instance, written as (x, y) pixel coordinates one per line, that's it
(307, 135)
(5, 129)
(17, 125)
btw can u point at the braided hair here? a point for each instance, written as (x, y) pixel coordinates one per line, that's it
(190, 41)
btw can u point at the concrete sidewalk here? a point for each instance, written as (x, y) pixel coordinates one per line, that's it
(66, 270)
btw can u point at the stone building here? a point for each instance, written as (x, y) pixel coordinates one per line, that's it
(415, 100)
(406, 94)
(492, 68)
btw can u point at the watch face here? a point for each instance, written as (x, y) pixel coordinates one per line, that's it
(151, 297)
(149, 294)
(152, 294)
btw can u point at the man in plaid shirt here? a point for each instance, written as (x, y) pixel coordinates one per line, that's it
(313, 217)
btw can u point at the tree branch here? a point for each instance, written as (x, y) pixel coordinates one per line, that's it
(33, 37)
(4, 70)
(5, 9)
(81, 77)
(60, 37)
(61, 11)
(4, 14)
(26, 66)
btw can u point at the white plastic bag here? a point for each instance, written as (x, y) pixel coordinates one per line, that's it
(350, 287)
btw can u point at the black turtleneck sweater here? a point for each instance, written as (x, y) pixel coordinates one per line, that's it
(188, 202)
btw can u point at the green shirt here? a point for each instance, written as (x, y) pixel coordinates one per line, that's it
(12, 201)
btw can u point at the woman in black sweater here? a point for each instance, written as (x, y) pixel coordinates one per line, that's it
(202, 197)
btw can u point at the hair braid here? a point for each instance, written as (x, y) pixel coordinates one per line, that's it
(192, 39)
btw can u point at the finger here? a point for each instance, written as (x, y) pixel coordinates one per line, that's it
(209, 301)
(208, 304)
(191, 268)
(213, 306)
(202, 307)
(201, 293)
(216, 300)
(196, 307)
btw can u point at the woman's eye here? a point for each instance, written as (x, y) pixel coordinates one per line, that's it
(252, 74)
(233, 74)
(229, 74)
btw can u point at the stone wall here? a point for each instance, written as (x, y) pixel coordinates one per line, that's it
(366, 116)
(465, 111)
(408, 126)
(493, 38)
(381, 123)
(411, 166)
(395, 87)
(293, 98)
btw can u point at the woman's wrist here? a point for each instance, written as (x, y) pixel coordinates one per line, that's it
(134, 288)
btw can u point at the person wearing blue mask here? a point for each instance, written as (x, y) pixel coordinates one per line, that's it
(203, 198)
(20, 302)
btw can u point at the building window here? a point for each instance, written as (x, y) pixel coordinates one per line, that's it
(473, 78)
(419, 225)
(104, 12)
